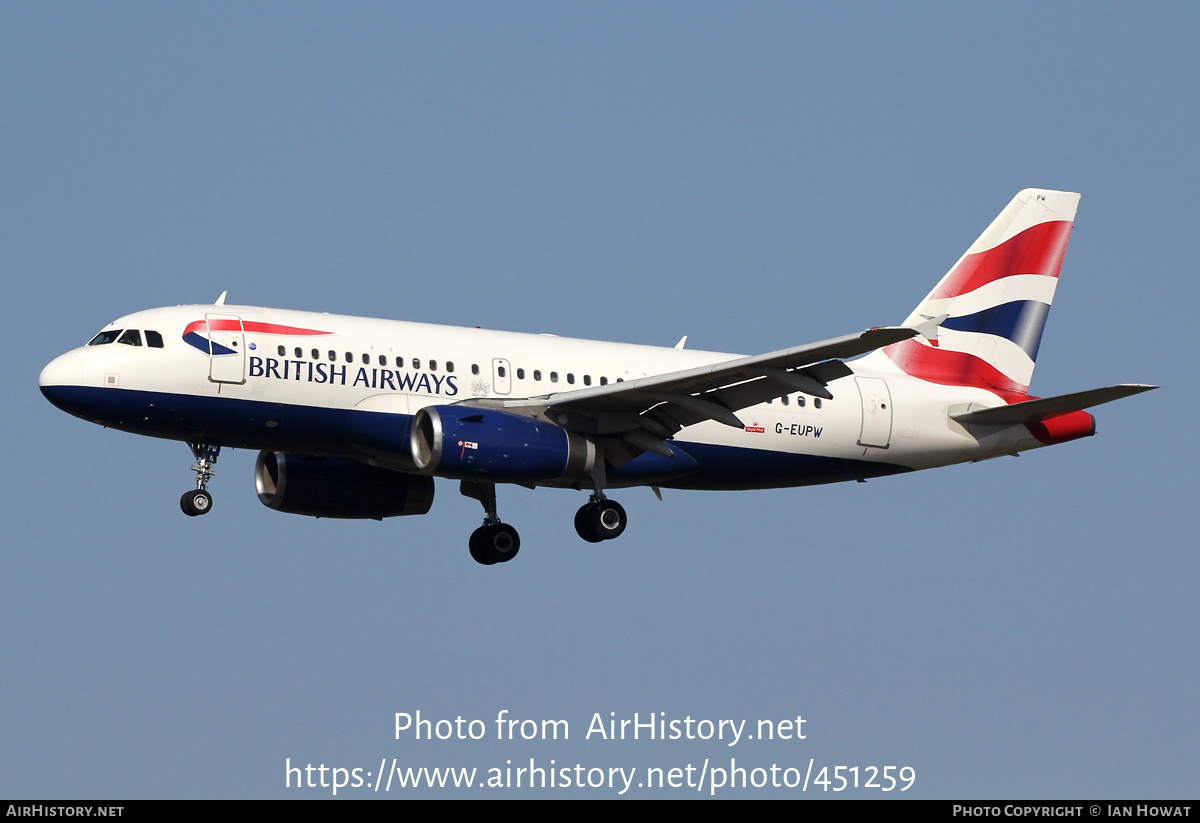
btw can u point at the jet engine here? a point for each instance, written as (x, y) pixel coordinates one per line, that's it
(336, 487)
(483, 444)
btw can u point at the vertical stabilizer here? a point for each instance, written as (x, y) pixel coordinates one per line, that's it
(987, 314)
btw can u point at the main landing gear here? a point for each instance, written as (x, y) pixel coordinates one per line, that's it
(600, 519)
(493, 542)
(199, 501)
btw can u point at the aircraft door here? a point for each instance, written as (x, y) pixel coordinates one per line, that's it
(876, 412)
(227, 348)
(501, 376)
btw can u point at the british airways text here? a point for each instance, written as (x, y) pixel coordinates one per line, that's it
(316, 372)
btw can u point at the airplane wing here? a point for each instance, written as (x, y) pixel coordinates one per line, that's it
(648, 410)
(1032, 411)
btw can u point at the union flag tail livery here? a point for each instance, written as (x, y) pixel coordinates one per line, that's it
(356, 417)
(987, 314)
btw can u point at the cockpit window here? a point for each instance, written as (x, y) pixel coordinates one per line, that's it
(154, 339)
(131, 337)
(105, 337)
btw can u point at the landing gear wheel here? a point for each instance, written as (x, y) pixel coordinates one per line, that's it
(503, 542)
(497, 543)
(608, 519)
(600, 520)
(195, 502)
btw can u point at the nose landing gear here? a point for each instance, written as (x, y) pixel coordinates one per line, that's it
(199, 501)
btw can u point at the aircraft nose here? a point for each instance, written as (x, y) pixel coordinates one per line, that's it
(60, 379)
(64, 370)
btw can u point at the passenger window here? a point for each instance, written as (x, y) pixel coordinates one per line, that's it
(154, 339)
(501, 371)
(603, 381)
(332, 356)
(474, 368)
(553, 377)
(587, 380)
(416, 363)
(784, 400)
(537, 374)
(817, 402)
(449, 367)
(282, 351)
(520, 374)
(570, 378)
(104, 338)
(133, 337)
(366, 358)
(383, 359)
(349, 357)
(433, 365)
(316, 355)
(800, 401)
(299, 352)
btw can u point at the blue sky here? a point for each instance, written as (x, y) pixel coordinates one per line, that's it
(753, 176)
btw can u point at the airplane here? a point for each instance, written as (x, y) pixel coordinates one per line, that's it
(355, 417)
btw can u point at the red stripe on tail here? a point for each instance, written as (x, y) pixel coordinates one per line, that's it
(950, 368)
(1037, 250)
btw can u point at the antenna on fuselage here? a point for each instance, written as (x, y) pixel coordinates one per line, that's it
(221, 299)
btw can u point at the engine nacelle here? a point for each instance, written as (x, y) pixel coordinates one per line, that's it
(336, 487)
(483, 444)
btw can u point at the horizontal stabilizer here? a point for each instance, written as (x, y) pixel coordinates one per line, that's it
(1032, 411)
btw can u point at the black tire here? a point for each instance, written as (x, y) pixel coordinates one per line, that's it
(583, 524)
(477, 546)
(196, 502)
(497, 543)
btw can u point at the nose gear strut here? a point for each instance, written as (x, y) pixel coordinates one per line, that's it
(199, 501)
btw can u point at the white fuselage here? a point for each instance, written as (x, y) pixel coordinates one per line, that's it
(298, 373)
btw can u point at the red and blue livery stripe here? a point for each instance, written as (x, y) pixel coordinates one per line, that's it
(193, 333)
